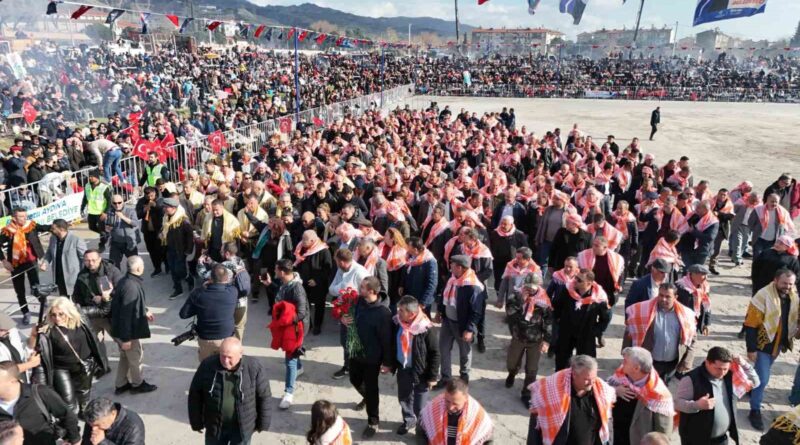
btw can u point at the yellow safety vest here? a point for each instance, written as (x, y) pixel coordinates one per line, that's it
(153, 174)
(96, 198)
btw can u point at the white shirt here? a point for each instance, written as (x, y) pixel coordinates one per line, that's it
(9, 406)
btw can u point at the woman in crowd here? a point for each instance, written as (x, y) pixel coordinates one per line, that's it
(394, 251)
(327, 426)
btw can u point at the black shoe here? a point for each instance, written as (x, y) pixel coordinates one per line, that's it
(713, 270)
(342, 373)
(740, 335)
(481, 346)
(510, 380)
(465, 378)
(403, 430)
(755, 420)
(317, 330)
(361, 405)
(601, 342)
(369, 431)
(143, 388)
(526, 401)
(176, 294)
(155, 272)
(100, 372)
(123, 389)
(440, 385)
(747, 255)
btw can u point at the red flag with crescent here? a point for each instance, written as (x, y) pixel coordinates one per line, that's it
(286, 125)
(29, 112)
(216, 141)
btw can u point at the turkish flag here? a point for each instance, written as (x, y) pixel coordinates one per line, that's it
(181, 174)
(80, 11)
(259, 31)
(216, 141)
(29, 112)
(302, 36)
(142, 148)
(321, 38)
(286, 125)
(134, 118)
(133, 132)
(168, 140)
(318, 122)
(290, 34)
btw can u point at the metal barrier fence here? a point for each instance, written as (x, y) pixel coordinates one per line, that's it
(643, 92)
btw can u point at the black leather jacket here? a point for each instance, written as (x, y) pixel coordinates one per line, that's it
(43, 374)
(127, 429)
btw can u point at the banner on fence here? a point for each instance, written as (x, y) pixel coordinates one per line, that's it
(68, 208)
(598, 94)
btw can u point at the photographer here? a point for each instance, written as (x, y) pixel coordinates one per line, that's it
(122, 228)
(70, 354)
(241, 281)
(129, 323)
(92, 292)
(214, 306)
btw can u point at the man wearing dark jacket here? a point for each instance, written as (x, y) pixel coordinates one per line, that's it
(373, 321)
(129, 323)
(772, 260)
(655, 119)
(581, 311)
(569, 241)
(110, 423)
(417, 359)
(178, 244)
(697, 244)
(92, 290)
(25, 410)
(421, 275)
(229, 396)
(292, 291)
(213, 305)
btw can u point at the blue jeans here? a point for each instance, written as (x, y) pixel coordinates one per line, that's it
(763, 367)
(292, 366)
(794, 396)
(111, 162)
(542, 254)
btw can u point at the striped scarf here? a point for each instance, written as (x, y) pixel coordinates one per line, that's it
(666, 252)
(369, 262)
(301, 252)
(419, 325)
(654, 393)
(701, 297)
(597, 295)
(468, 279)
(609, 232)
(436, 230)
(641, 316)
(474, 426)
(539, 299)
(395, 256)
(616, 264)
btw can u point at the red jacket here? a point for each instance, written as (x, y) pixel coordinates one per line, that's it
(286, 335)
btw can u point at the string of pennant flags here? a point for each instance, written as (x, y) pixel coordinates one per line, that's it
(259, 31)
(594, 46)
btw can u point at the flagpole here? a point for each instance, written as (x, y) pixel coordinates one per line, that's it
(383, 65)
(457, 40)
(638, 21)
(296, 81)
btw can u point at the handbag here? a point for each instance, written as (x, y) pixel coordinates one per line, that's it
(87, 366)
(58, 430)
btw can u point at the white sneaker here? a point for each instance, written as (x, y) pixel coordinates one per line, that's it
(286, 401)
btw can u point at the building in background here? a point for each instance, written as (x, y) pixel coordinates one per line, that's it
(647, 37)
(514, 40)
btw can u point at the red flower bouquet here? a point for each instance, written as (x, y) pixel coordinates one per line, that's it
(346, 305)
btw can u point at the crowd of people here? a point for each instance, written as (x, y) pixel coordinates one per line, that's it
(411, 222)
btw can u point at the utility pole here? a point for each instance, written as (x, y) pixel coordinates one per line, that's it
(675, 42)
(638, 21)
(457, 34)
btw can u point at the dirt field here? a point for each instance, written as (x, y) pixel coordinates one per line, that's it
(727, 143)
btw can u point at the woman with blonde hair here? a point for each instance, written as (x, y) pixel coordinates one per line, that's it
(70, 354)
(394, 250)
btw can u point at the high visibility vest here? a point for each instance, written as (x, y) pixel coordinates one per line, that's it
(96, 198)
(153, 174)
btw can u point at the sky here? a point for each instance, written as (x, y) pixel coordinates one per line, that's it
(779, 21)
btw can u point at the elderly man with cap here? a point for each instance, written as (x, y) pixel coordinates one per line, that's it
(530, 316)
(646, 287)
(694, 293)
(14, 347)
(569, 241)
(460, 310)
(549, 224)
(178, 238)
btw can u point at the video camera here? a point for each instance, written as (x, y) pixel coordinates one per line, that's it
(42, 291)
(191, 334)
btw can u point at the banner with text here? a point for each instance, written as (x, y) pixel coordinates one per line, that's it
(67, 208)
(715, 10)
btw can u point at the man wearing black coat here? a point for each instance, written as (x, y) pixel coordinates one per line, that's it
(655, 119)
(417, 359)
(130, 323)
(151, 214)
(229, 374)
(373, 320)
(178, 242)
(772, 260)
(110, 423)
(27, 413)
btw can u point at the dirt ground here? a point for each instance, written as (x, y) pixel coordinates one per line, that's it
(727, 143)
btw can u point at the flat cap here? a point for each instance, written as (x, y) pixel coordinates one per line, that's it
(698, 268)
(461, 260)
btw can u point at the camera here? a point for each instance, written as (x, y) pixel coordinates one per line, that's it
(191, 334)
(42, 291)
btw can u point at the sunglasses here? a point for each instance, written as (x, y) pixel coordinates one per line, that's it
(117, 202)
(578, 280)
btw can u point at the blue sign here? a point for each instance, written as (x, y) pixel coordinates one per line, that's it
(715, 10)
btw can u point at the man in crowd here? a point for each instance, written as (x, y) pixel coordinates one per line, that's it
(111, 423)
(646, 287)
(665, 327)
(571, 406)
(694, 293)
(212, 306)
(18, 401)
(14, 348)
(20, 258)
(459, 310)
(94, 286)
(581, 311)
(177, 238)
(241, 281)
(219, 228)
(96, 199)
(417, 361)
(697, 243)
(569, 241)
(153, 171)
(768, 222)
(782, 255)
(608, 268)
(349, 274)
(644, 403)
(455, 417)
(292, 292)
(706, 398)
(130, 323)
(740, 229)
(655, 119)
(530, 316)
(421, 276)
(229, 396)
(515, 272)
(373, 323)
(122, 228)
(65, 254)
(722, 207)
(770, 327)
(150, 212)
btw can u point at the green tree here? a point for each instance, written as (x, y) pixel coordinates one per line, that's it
(98, 31)
(796, 38)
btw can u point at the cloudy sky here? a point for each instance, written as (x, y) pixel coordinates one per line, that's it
(779, 20)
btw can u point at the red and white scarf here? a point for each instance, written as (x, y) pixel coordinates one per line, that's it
(420, 259)
(616, 264)
(436, 230)
(701, 295)
(369, 262)
(596, 295)
(468, 279)
(474, 426)
(516, 270)
(666, 252)
(503, 233)
(419, 325)
(395, 256)
(610, 233)
(538, 299)
(641, 316)
(301, 252)
(654, 394)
